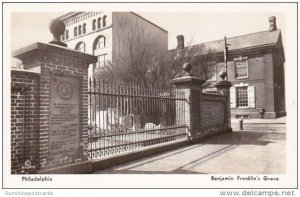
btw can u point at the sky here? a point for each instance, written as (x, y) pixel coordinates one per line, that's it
(197, 27)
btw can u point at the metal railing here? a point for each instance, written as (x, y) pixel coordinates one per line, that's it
(124, 118)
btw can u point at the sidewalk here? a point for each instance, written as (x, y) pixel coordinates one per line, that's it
(281, 120)
(257, 151)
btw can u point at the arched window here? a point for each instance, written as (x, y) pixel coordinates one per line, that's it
(99, 43)
(101, 61)
(94, 24)
(104, 21)
(75, 31)
(99, 23)
(67, 34)
(84, 28)
(79, 30)
(80, 47)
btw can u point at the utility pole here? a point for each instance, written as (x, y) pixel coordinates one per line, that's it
(225, 56)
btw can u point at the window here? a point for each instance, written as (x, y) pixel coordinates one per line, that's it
(80, 47)
(100, 43)
(99, 23)
(104, 21)
(84, 28)
(101, 61)
(242, 97)
(79, 30)
(67, 34)
(75, 31)
(94, 24)
(241, 68)
(63, 37)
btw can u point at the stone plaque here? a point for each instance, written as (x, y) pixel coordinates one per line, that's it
(64, 124)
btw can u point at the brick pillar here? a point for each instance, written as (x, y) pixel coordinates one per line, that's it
(223, 89)
(192, 88)
(63, 102)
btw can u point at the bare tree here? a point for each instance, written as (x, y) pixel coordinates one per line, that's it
(204, 63)
(135, 58)
(202, 59)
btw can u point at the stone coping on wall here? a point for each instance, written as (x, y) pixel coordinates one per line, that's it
(33, 72)
(223, 84)
(213, 95)
(32, 49)
(188, 80)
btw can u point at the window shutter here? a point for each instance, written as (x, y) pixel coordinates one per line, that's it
(251, 97)
(232, 97)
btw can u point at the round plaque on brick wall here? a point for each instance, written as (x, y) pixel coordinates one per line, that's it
(65, 90)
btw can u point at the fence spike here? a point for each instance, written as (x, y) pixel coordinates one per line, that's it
(90, 83)
(113, 87)
(94, 83)
(99, 85)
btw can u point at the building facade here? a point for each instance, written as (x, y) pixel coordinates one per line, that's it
(255, 67)
(106, 34)
(255, 61)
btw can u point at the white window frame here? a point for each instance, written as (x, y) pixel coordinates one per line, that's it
(250, 95)
(100, 64)
(237, 97)
(100, 43)
(238, 60)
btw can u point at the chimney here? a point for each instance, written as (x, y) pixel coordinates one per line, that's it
(180, 42)
(272, 23)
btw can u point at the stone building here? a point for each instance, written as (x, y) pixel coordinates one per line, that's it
(104, 34)
(255, 68)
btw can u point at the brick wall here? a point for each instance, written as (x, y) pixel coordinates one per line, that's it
(213, 112)
(203, 114)
(24, 118)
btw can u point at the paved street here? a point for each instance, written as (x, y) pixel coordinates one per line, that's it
(260, 148)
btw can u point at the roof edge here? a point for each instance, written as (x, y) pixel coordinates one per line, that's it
(149, 21)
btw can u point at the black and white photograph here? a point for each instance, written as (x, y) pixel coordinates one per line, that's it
(150, 95)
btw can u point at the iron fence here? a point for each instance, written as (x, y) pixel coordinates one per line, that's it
(128, 117)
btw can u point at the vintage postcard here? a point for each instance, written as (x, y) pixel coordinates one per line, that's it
(150, 95)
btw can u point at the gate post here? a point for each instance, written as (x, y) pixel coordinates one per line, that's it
(192, 88)
(223, 89)
(63, 100)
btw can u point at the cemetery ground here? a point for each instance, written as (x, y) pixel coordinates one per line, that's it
(258, 149)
